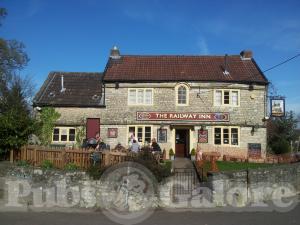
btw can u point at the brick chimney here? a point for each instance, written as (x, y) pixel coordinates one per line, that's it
(115, 53)
(246, 54)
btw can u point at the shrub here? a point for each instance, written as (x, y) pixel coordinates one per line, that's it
(171, 152)
(71, 167)
(193, 152)
(95, 172)
(280, 146)
(168, 165)
(47, 164)
(159, 171)
(23, 163)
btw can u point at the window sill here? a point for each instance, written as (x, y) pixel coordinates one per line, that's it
(224, 145)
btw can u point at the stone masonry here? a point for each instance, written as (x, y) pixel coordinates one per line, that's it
(117, 113)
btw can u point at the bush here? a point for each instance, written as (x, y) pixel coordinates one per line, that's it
(71, 167)
(193, 152)
(171, 152)
(47, 164)
(159, 171)
(95, 172)
(280, 146)
(168, 165)
(23, 163)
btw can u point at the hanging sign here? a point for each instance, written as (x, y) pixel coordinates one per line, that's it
(202, 136)
(277, 106)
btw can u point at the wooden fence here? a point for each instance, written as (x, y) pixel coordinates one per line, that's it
(36, 155)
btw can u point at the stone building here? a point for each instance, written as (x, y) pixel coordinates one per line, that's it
(217, 103)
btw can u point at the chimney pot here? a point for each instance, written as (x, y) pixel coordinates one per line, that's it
(246, 54)
(115, 53)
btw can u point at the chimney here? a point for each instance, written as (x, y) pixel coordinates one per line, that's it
(62, 84)
(246, 54)
(115, 53)
(226, 72)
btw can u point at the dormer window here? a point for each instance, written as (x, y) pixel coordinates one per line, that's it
(182, 95)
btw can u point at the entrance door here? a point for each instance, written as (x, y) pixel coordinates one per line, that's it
(181, 142)
(92, 127)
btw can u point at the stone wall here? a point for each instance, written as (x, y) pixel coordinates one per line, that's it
(255, 185)
(35, 189)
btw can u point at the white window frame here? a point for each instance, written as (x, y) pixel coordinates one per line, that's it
(136, 131)
(136, 96)
(230, 97)
(187, 94)
(59, 134)
(222, 138)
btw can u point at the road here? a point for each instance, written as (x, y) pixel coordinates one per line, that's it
(159, 217)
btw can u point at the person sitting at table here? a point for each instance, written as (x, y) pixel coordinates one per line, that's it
(155, 146)
(135, 147)
(100, 143)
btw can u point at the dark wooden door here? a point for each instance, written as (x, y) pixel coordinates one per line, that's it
(181, 143)
(92, 127)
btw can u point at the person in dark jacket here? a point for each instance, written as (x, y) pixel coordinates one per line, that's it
(155, 146)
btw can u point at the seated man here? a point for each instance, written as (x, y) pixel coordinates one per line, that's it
(155, 146)
(135, 147)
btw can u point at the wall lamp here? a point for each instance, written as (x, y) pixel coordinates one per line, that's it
(161, 126)
(202, 127)
(254, 129)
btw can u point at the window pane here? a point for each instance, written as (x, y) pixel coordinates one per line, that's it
(226, 97)
(148, 134)
(234, 136)
(148, 96)
(182, 95)
(225, 136)
(234, 98)
(161, 135)
(217, 136)
(72, 135)
(140, 134)
(140, 96)
(55, 134)
(132, 97)
(218, 98)
(64, 135)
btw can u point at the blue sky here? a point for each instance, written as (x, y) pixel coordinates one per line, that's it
(77, 35)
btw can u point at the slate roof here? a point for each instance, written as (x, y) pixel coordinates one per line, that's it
(81, 90)
(170, 68)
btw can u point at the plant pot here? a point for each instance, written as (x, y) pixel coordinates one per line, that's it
(172, 157)
(193, 157)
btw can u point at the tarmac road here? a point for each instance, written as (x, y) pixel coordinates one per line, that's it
(159, 217)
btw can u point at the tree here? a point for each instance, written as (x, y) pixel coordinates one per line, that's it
(16, 123)
(281, 131)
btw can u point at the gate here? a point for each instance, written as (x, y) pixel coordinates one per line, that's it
(185, 181)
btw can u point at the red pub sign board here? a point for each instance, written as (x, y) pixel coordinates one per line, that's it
(182, 116)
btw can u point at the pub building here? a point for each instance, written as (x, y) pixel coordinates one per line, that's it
(217, 103)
